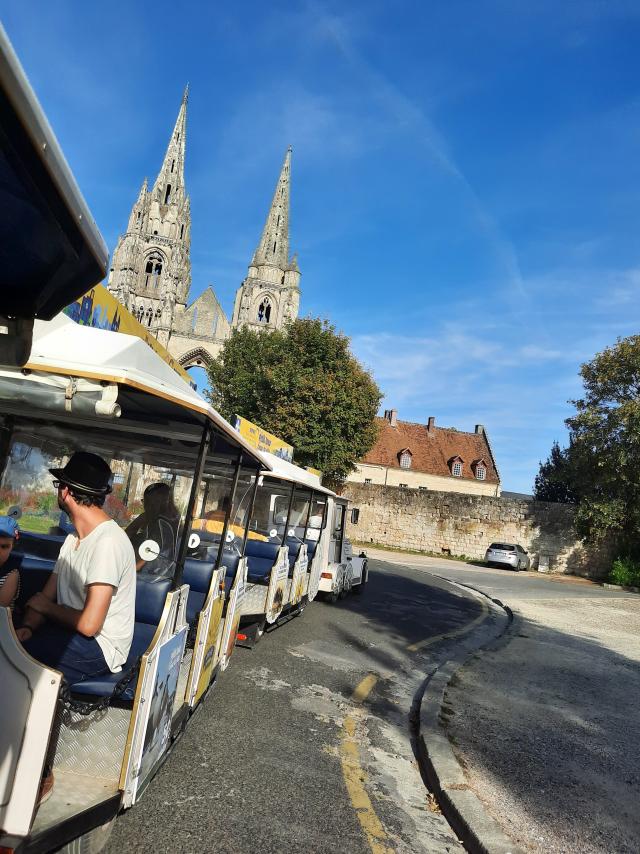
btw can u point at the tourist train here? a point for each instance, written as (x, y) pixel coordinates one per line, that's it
(252, 538)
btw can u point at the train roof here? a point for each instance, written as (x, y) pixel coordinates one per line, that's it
(62, 347)
(51, 250)
(288, 471)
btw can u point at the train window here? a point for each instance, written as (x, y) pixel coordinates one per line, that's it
(212, 503)
(147, 500)
(317, 519)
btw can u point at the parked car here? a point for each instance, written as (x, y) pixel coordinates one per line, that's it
(507, 555)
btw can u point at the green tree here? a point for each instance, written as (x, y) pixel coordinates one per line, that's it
(554, 481)
(304, 385)
(605, 446)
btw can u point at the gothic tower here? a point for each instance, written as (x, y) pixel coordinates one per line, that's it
(150, 271)
(269, 297)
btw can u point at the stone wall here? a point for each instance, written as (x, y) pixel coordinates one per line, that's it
(449, 523)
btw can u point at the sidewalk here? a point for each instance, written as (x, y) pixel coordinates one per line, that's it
(546, 725)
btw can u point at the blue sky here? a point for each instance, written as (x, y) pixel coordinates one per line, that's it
(466, 175)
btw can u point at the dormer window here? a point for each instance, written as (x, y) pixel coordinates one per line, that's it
(480, 469)
(455, 464)
(405, 458)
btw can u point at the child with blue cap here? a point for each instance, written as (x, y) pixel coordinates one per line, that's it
(9, 577)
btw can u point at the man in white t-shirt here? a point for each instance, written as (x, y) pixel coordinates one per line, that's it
(82, 622)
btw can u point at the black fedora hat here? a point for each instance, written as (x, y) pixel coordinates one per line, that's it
(86, 472)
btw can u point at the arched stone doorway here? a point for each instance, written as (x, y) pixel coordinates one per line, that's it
(199, 357)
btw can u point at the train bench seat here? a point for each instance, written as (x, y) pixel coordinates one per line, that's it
(34, 573)
(198, 574)
(151, 594)
(312, 545)
(260, 559)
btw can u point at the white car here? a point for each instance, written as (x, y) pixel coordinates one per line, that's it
(507, 555)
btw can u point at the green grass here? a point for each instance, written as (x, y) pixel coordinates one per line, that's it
(625, 572)
(35, 524)
(440, 555)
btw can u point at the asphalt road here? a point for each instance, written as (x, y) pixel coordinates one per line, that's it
(305, 743)
(545, 722)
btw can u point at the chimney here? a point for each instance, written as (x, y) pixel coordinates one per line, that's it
(480, 429)
(431, 424)
(393, 417)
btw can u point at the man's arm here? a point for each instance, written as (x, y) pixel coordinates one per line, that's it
(34, 619)
(88, 621)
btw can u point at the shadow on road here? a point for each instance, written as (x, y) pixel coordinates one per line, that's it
(547, 726)
(411, 610)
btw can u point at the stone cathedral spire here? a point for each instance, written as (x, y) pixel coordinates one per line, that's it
(274, 243)
(170, 180)
(269, 297)
(151, 270)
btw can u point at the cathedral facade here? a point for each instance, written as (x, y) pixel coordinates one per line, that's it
(150, 271)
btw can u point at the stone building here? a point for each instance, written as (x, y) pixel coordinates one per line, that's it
(425, 457)
(150, 271)
(270, 295)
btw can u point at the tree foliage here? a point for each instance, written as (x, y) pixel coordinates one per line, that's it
(601, 466)
(554, 480)
(304, 385)
(605, 445)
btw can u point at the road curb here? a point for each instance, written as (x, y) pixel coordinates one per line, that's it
(624, 587)
(444, 775)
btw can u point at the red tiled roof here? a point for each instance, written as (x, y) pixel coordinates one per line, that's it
(431, 450)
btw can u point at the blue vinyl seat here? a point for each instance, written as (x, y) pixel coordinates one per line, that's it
(34, 573)
(312, 545)
(197, 574)
(294, 548)
(259, 569)
(260, 559)
(151, 593)
(43, 546)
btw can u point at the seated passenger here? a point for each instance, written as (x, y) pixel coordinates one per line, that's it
(9, 576)
(159, 522)
(82, 622)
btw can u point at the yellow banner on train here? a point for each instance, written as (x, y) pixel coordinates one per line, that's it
(263, 440)
(100, 309)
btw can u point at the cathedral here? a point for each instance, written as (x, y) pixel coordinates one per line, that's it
(150, 271)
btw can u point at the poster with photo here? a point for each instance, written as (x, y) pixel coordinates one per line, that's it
(299, 576)
(277, 585)
(158, 730)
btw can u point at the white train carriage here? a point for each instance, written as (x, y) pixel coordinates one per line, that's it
(109, 393)
(296, 548)
(64, 388)
(286, 547)
(343, 572)
(253, 538)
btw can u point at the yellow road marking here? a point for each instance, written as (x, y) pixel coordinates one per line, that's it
(414, 647)
(355, 776)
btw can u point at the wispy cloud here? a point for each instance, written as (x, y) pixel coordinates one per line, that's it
(411, 117)
(488, 369)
